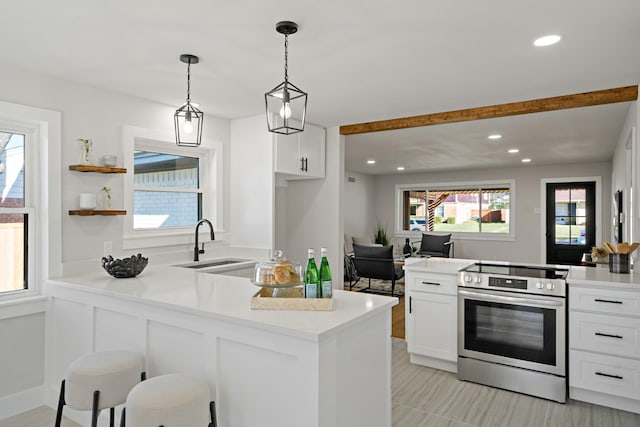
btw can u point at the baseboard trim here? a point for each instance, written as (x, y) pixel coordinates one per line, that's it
(23, 401)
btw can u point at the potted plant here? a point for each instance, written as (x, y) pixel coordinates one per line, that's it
(381, 237)
(85, 151)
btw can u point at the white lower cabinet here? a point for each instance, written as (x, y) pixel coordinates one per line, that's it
(431, 319)
(604, 346)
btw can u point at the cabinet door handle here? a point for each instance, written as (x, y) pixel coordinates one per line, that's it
(431, 283)
(608, 301)
(302, 164)
(410, 304)
(602, 374)
(600, 334)
(306, 164)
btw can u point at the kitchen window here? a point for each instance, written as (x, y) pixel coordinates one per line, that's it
(15, 212)
(167, 189)
(482, 209)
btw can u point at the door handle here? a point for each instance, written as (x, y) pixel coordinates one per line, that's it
(410, 304)
(302, 164)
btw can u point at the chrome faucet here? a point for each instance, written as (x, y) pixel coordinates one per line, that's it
(196, 251)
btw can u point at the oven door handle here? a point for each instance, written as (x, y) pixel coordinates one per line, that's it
(491, 297)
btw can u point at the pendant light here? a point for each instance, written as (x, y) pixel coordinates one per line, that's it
(286, 105)
(188, 118)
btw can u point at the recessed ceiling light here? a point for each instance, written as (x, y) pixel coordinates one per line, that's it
(495, 136)
(371, 162)
(526, 160)
(514, 150)
(400, 168)
(547, 40)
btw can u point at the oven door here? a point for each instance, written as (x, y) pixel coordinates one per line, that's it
(521, 330)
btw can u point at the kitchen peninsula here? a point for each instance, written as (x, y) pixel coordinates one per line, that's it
(268, 368)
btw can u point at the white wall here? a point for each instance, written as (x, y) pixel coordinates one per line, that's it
(359, 203)
(314, 214)
(626, 174)
(252, 188)
(526, 246)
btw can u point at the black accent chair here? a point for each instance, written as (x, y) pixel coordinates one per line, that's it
(436, 245)
(376, 262)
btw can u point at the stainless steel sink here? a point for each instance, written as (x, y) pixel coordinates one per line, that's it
(213, 263)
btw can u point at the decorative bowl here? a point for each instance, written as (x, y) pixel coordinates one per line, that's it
(122, 268)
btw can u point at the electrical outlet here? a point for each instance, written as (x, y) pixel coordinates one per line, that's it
(107, 249)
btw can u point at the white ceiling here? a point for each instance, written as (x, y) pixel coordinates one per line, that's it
(359, 61)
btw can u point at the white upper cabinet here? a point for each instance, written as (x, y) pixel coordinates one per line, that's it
(301, 155)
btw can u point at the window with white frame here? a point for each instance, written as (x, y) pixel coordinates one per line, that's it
(472, 209)
(16, 211)
(167, 188)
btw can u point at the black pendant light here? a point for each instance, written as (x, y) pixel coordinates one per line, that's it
(286, 104)
(188, 118)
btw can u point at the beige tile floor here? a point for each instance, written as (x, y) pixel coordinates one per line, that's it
(427, 397)
(424, 397)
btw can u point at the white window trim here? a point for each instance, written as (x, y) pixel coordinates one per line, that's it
(45, 199)
(434, 186)
(211, 186)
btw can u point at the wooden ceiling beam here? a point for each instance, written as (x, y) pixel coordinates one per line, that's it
(587, 99)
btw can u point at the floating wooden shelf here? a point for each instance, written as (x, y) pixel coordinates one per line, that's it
(95, 212)
(95, 168)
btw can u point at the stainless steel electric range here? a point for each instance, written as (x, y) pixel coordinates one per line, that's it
(512, 328)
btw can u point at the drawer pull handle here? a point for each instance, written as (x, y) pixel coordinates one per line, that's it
(600, 334)
(618, 377)
(607, 300)
(431, 283)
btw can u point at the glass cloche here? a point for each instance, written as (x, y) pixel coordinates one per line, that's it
(277, 273)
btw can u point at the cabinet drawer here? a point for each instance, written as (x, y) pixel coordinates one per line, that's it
(604, 374)
(610, 301)
(614, 335)
(434, 283)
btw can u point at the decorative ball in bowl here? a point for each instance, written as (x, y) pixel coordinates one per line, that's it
(127, 267)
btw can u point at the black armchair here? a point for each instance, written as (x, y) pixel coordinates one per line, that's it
(436, 245)
(376, 262)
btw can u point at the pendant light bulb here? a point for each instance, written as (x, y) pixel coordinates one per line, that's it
(285, 111)
(188, 126)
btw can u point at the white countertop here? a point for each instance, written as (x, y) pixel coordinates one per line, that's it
(600, 276)
(227, 298)
(437, 265)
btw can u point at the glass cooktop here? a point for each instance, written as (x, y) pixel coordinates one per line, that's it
(518, 270)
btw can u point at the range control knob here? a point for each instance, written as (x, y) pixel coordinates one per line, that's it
(540, 285)
(467, 278)
(477, 279)
(550, 286)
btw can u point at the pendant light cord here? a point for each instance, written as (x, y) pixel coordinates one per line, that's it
(286, 58)
(189, 82)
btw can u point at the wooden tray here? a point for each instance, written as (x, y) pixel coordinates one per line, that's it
(288, 299)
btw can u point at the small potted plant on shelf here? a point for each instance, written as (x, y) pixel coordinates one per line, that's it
(85, 151)
(107, 197)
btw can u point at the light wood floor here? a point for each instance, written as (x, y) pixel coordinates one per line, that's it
(397, 319)
(425, 397)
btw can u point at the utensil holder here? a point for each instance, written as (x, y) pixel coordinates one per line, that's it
(619, 263)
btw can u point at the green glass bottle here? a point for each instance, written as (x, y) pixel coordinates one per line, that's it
(325, 275)
(311, 288)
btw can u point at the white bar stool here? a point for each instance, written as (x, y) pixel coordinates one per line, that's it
(100, 380)
(172, 400)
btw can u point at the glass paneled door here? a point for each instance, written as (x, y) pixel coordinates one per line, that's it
(570, 217)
